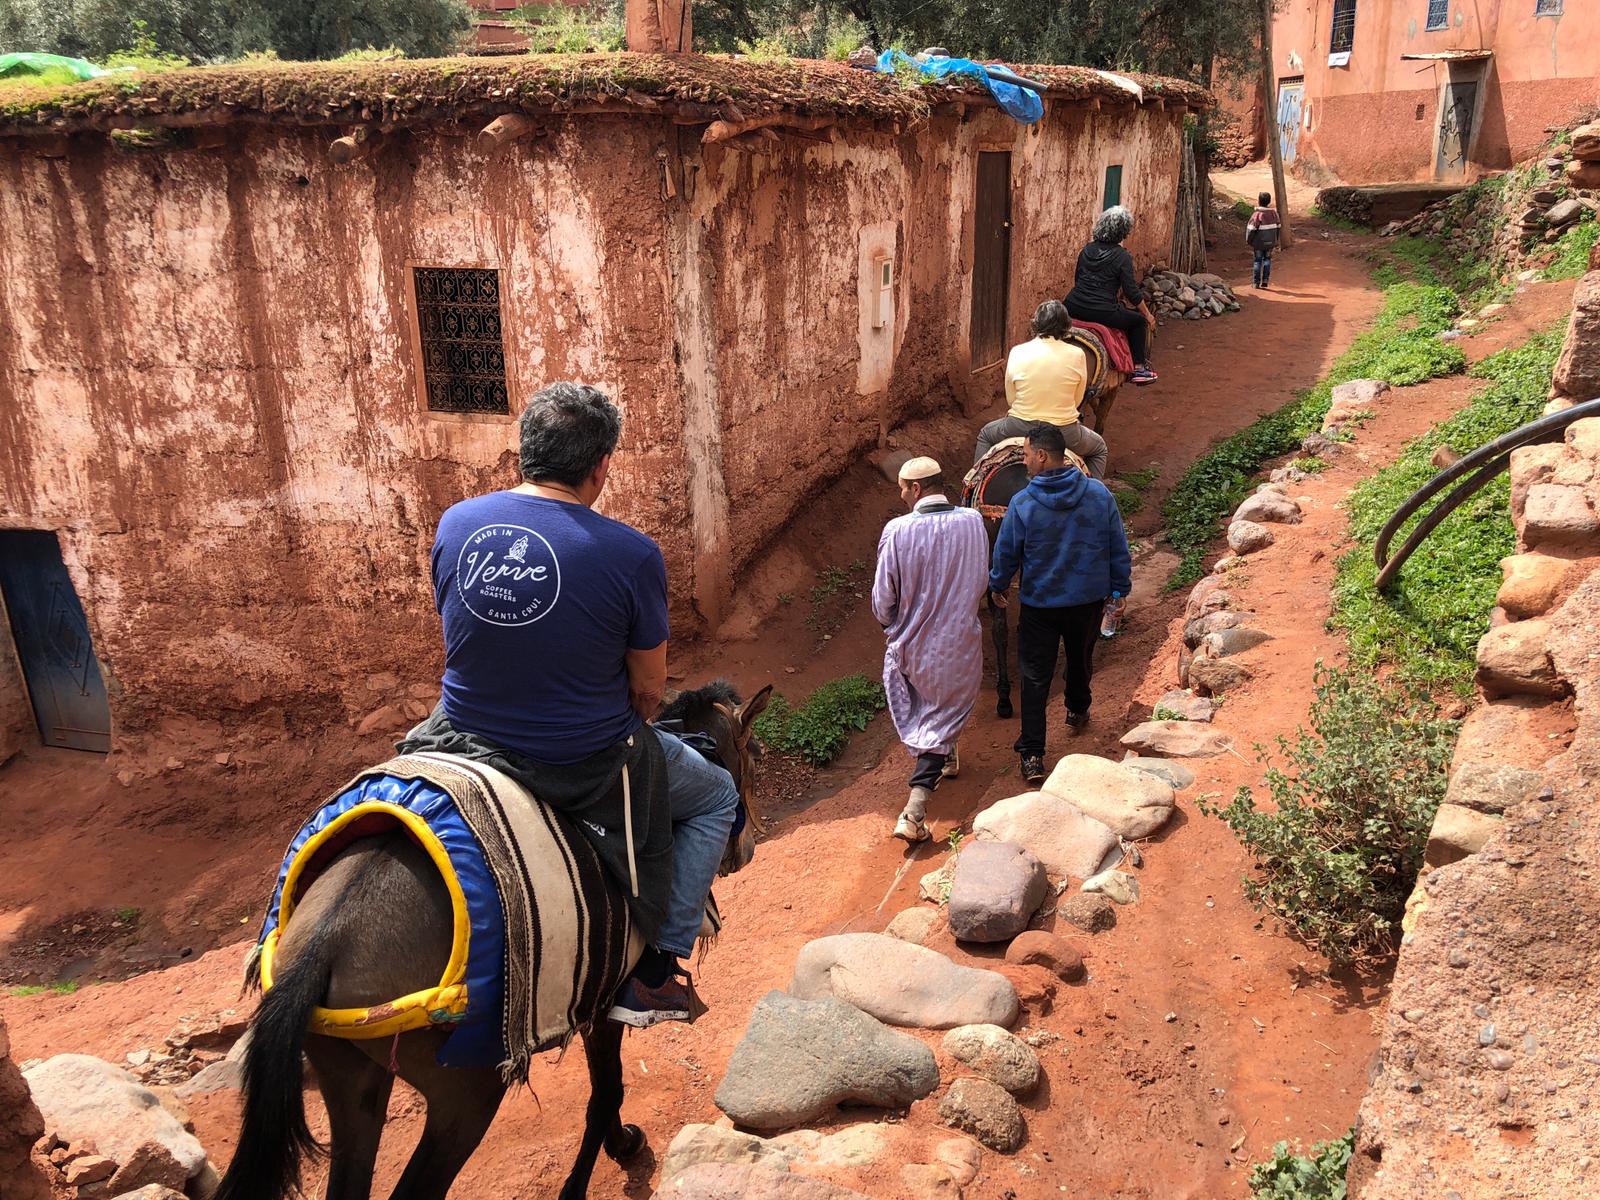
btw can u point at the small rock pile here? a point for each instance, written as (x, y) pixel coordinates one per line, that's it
(1177, 296)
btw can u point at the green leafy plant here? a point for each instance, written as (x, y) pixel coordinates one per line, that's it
(1163, 713)
(1338, 853)
(1572, 251)
(831, 595)
(1315, 1176)
(1428, 624)
(819, 729)
(1402, 347)
(144, 54)
(128, 915)
(953, 839)
(1309, 465)
(765, 50)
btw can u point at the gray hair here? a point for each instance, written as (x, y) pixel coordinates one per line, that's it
(566, 430)
(1051, 319)
(1113, 225)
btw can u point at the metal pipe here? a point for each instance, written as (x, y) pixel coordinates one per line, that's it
(1486, 462)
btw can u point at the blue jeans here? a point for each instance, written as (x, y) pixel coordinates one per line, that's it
(704, 804)
(1262, 271)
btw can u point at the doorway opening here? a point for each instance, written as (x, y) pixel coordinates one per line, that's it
(51, 634)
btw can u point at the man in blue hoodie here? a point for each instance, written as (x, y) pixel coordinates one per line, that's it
(1065, 533)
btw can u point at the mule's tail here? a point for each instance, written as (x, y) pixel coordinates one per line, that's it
(274, 1137)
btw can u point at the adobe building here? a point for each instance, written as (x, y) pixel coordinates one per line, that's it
(260, 326)
(1414, 90)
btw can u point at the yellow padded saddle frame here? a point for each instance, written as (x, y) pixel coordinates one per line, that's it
(439, 1005)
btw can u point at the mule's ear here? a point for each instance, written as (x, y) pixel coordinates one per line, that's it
(754, 707)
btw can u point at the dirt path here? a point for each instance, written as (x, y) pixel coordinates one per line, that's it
(1259, 1046)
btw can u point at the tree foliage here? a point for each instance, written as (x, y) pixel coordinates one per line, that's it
(1186, 38)
(216, 30)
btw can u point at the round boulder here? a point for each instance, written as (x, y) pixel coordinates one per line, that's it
(998, 1056)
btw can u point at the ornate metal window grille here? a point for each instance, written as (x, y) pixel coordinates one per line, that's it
(1343, 38)
(1547, 8)
(458, 325)
(1439, 14)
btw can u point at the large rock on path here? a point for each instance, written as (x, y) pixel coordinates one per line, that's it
(1055, 831)
(998, 1056)
(1041, 948)
(799, 1058)
(20, 1126)
(1173, 774)
(744, 1181)
(986, 1111)
(914, 925)
(901, 983)
(86, 1099)
(1246, 537)
(1215, 676)
(1130, 803)
(1514, 660)
(1185, 705)
(1268, 508)
(997, 887)
(1090, 913)
(1179, 739)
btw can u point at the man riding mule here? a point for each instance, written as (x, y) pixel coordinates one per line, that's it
(434, 921)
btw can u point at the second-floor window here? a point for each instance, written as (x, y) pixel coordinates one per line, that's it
(1343, 37)
(1438, 14)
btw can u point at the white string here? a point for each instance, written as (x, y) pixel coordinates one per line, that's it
(627, 825)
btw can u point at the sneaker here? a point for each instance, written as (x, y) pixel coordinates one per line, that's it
(1142, 376)
(1077, 721)
(911, 831)
(952, 765)
(642, 1006)
(1033, 768)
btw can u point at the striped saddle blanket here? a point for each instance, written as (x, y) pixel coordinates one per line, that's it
(1004, 456)
(542, 937)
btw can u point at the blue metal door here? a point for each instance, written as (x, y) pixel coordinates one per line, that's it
(1291, 98)
(52, 640)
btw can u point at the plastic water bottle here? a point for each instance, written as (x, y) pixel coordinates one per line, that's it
(1111, 618)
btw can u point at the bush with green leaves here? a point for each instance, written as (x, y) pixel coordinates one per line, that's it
(1573, 250)
(1315, 1176)
(1402, 347)
(819, 729)
(1339, 851)
(1428, 624)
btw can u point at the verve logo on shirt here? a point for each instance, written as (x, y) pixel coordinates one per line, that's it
(508, 575)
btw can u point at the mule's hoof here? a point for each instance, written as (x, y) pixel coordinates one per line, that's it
(630, 1143)
(1003, 710)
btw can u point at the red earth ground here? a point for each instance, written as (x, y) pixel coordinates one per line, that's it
(1203, 1033)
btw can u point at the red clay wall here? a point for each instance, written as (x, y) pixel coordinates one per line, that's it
(1376, 118)
(206, 372)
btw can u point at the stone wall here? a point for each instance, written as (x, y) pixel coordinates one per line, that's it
(1490, 1060)
(208, 386)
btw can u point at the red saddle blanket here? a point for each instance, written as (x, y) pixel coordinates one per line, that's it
(1115, 342)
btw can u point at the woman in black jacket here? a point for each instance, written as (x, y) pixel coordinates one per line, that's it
(1104, 271)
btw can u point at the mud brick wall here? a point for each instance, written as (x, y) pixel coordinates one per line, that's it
(1489, 1067)
(208, 388)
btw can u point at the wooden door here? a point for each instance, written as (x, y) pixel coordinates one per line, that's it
(991, 258)
(52, 639)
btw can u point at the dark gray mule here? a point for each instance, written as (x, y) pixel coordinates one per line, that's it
(374, 925)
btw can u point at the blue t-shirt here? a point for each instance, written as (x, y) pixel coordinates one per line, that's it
(541, 601)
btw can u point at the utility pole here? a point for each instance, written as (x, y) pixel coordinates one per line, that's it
(1269, 114)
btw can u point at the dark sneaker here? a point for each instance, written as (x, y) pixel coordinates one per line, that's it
(1033, 768)
(1077, 721)
(1142, 376)
(642, 1006)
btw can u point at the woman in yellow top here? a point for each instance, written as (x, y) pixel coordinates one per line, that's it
(1045, 379)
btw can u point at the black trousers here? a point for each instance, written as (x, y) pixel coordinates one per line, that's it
(1129, 320)
(1040, 635)
(928, 770)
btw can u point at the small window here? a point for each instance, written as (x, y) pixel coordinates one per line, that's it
(458, 331)
(1547, 8)
(1439, 14)
(1343, 38)
(1113, 195)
